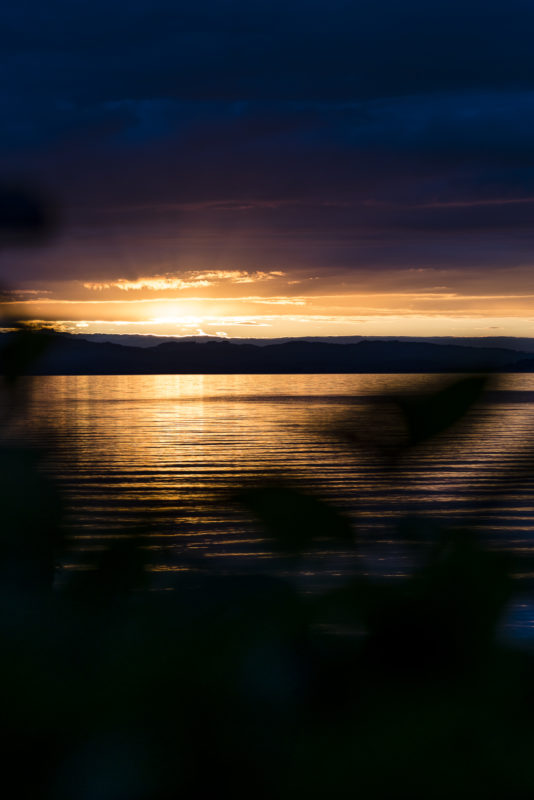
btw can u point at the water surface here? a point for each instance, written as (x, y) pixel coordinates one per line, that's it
(171, 450)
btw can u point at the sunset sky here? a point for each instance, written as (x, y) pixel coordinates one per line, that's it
(264, 168)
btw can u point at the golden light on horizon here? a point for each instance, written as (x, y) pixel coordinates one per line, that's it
(240, 303)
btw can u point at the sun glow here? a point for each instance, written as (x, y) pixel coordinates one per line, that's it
(244, 303)
(176, 319)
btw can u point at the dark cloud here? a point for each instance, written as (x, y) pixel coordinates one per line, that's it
(332, 135)
(268, 50)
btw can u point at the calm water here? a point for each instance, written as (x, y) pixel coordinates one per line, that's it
(178, 446)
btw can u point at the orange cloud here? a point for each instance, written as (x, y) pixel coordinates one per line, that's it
(192, 281)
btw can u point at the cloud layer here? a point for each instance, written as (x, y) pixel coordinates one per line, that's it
(352, 147)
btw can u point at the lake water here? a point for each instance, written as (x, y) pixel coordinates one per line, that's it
(170, 451)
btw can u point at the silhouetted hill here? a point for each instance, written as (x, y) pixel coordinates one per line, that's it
(524, 344)
(76, 356)
(525, 365)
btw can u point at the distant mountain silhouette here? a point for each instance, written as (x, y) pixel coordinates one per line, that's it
(71, 355)
(524, 344)
(525, 365)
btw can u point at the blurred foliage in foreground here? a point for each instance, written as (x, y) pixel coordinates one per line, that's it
(110, 690)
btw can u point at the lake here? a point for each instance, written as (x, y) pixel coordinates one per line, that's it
(169, 453)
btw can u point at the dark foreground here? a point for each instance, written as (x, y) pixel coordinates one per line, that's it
(225, 682)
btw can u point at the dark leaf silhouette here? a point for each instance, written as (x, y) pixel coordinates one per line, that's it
(23, 348)
(25, 216)
(428, 415)
(295, 520)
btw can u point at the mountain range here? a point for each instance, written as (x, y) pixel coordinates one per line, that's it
(47, 354)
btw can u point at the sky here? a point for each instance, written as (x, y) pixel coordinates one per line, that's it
(265, 168)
